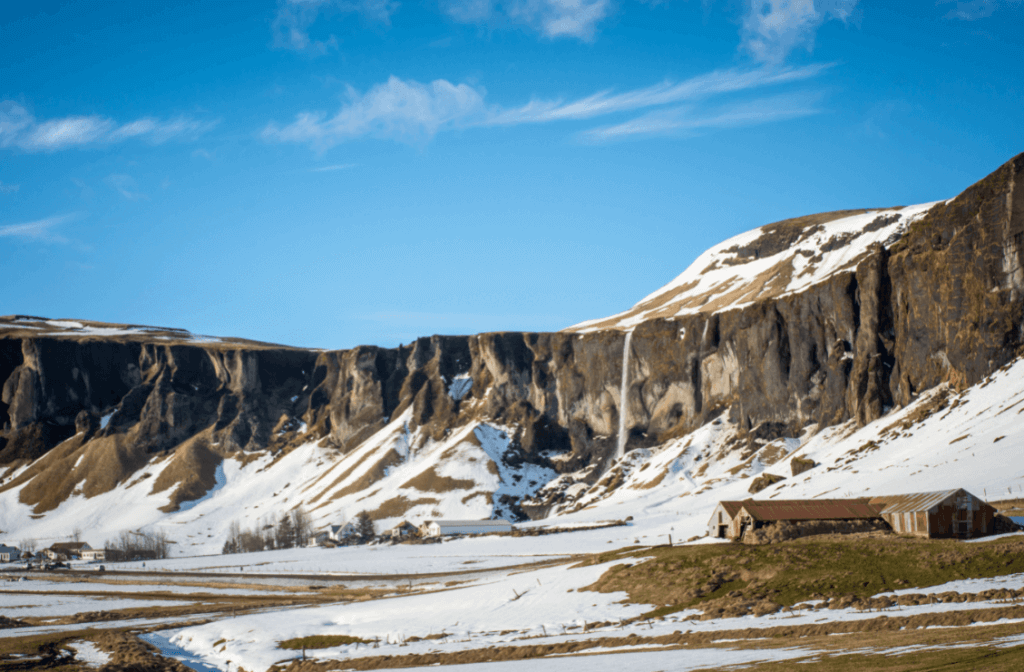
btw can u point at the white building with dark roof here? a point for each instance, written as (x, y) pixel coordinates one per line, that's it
(443, 528)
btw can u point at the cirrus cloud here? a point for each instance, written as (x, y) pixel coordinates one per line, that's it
(410, 111)
(19, 128)
(38, 231)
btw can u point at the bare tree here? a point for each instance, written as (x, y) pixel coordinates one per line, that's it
(28, 545)
(76, 535)
(302, 524)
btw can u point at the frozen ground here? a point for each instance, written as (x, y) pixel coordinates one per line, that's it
(73, 587)
(540, 607)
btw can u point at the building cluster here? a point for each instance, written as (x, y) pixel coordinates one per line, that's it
(342, 534)
(947, 513)
(66, 551)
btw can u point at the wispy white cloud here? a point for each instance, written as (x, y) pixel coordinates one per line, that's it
(125, 185)
(695, 88)
(551, 18)
(8, 188)
(409, 111)
(687, 119)
(774, 28)
(19, 128)
(295, 17)
(399, 110)
(972, 10)
(39, 231)
(331, 169)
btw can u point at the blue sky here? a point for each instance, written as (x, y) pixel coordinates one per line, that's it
(338, 172)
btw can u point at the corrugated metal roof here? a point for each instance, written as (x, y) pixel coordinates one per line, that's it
(732, 508)
(917, 501)
(473, 523)
(811, 509)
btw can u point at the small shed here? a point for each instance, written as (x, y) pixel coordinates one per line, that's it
(9, 554)
(440, 528)
(947, 513)
(403, 529)
(721, 518)
(755, 514)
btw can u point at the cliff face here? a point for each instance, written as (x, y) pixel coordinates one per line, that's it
(934, 297)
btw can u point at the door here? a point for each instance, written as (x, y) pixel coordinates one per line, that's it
(962, 517)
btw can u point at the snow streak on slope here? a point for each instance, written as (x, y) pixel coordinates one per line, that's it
(768, 262)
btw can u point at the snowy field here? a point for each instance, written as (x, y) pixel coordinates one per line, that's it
(20, 606)
(541, 607)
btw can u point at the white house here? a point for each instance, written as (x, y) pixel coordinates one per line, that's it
(342, 532)
(335, 533)
(441, 528)
(9, 554)
(94, 554)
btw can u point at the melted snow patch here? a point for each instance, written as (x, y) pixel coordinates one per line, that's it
(89, 654)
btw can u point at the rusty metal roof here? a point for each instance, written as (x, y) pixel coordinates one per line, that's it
(811, 509)
(732, 508)
(918, 501)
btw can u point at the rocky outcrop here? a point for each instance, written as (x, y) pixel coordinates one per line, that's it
(941, 304)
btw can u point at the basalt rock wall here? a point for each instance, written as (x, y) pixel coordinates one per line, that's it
(943, 304)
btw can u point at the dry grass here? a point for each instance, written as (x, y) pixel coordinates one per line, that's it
(430, 481)
(855, 567)
(319, 642)
(823, 649)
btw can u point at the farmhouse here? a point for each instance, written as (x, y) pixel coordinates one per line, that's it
(66, 550)
(9, 554)
(755, 514)
(947, 513)
(441, 528)
(403, 529)
(333, 534)
(722, 517)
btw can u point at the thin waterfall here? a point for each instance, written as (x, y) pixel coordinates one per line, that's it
(623, 391)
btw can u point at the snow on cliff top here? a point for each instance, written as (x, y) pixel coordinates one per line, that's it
(768, 262)
(31, 326)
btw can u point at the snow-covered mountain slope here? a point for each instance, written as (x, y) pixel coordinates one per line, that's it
(799, 336)
(972, 439)
(394, 475)
(769, 262)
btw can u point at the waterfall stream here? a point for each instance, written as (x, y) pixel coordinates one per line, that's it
(623, 391)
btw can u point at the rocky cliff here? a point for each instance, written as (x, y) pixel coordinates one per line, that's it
(811, 321)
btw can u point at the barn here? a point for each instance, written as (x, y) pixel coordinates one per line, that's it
(755, 514)
(722, 517)
(947, 513)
